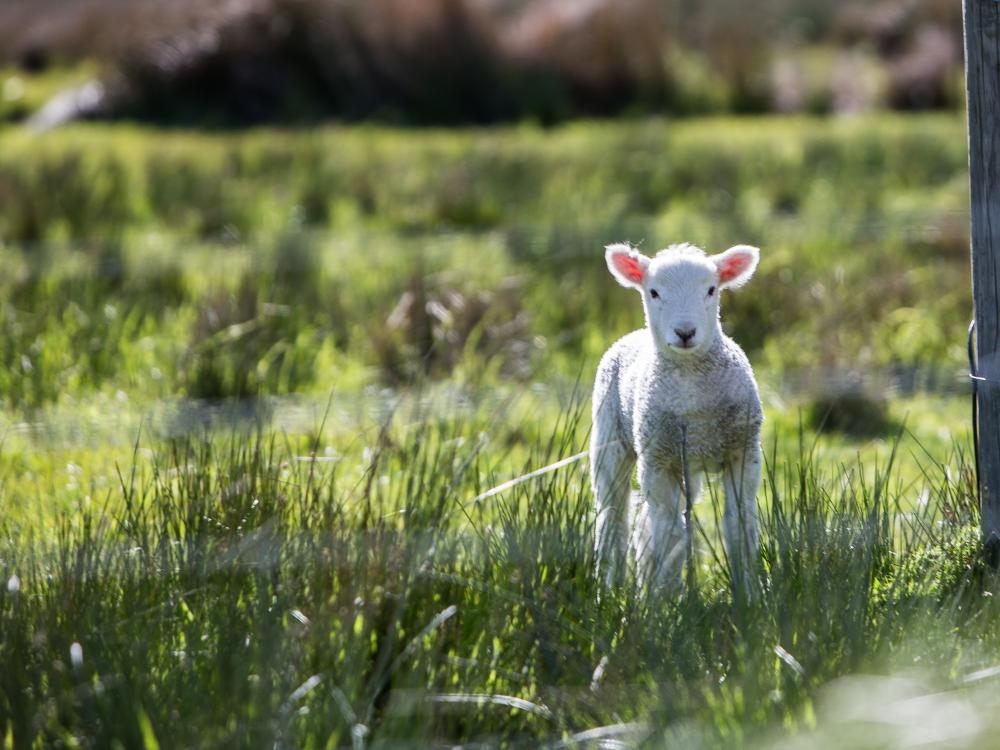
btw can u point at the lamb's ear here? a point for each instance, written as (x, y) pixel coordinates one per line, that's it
(626, 264)
(736, 265)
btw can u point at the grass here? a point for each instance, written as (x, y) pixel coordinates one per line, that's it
(251, 385)
(274, 261)
(293, 597)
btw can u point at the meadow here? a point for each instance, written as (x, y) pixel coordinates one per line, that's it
(256, 388)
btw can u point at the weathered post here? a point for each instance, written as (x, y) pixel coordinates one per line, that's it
(982, 78)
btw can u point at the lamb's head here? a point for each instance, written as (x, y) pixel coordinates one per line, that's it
(680, 290)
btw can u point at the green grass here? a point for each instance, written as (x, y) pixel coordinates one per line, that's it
(271, 262)
(253, 589)
(250, 384)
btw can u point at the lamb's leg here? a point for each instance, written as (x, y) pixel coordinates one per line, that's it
(659, 536)
(742, 478)
(611, 465)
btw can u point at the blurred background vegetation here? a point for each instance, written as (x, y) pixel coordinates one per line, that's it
(271, 262)
(236, 62)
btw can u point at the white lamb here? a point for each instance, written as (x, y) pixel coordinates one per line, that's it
(677, 385)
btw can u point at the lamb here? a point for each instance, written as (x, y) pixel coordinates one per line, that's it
(678, 394)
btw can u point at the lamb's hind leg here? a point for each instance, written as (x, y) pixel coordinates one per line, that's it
(742, 479)
(611, 465)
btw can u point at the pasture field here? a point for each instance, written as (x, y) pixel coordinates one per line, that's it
(255, 388)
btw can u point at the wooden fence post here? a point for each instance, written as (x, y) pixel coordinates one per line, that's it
(982, 78)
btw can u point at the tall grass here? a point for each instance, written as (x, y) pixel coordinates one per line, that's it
(249, 589)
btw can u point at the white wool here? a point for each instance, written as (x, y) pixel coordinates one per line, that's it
(680, 375)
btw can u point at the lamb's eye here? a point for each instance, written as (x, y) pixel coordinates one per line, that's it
(654, 294)
(711, 291)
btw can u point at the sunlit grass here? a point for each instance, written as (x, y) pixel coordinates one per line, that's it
(79, 448)
(173, 263)
(268, 594)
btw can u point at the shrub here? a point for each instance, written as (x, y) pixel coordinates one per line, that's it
(850, 406)
(434, 329)
(242, 346)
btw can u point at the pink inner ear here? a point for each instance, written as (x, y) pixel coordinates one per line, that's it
(733, 265)
(628, 267)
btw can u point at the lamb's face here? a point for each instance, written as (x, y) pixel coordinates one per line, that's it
(681, 297)
(680, 290)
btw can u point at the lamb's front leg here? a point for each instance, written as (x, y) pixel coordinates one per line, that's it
(742, 478)
(659, 537)
(611, 465)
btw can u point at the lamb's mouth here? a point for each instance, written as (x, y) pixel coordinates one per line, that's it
(686, 347)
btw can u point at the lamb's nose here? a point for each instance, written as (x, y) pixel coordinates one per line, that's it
(685, 335)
